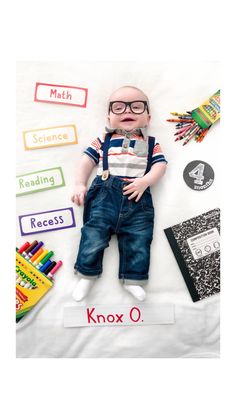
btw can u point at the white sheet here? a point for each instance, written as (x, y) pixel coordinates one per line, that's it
(170, 87)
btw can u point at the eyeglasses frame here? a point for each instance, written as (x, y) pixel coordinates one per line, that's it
(129, 104)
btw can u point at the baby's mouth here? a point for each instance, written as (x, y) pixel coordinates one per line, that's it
(127, 119)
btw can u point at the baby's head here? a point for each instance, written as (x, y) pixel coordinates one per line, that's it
(128, 109)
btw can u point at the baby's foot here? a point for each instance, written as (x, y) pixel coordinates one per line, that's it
(82, 289)
(137, 291)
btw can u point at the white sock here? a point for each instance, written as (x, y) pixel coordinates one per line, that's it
(82, 288)
(137, 291)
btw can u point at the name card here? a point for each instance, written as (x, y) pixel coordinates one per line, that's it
(39, 181)
(118, 315)
(63, 95)
(46, 221)
(50, 137)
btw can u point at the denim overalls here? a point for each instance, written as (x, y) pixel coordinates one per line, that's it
(107, 211)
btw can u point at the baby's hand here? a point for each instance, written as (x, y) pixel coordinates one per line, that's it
(79, 194)
(136, 188)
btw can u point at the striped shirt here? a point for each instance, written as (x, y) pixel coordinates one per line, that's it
(127, 157)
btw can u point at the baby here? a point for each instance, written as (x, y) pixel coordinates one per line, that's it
(119, 200)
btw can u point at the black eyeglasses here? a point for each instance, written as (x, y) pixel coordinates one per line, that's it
(137, 106)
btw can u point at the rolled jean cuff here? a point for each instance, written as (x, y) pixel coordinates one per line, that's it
(134, 281)
(89, 274)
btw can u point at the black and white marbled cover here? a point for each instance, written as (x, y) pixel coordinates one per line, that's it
(201, 271)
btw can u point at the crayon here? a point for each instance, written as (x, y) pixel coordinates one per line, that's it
(56, 267)
(186, 117)
(34, 250)
(192, 128)
(30, 248)
(36, 255)
(35, 263)
(28, 285)
(202, 135)
(23, 247)
(189, 137)
(181, 130)
(45, 266)
(22, 283)
(187, 132)
(183, 124)
(198, 134)
(186, 141)
(49, 268)
(178, 120)
(45, 258)
(178, 114)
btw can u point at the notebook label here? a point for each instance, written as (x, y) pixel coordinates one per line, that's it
(205, 243)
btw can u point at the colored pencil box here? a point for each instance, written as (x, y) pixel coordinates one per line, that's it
(209, 112)
(31, 286)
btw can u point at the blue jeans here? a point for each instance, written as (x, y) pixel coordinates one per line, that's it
(107, 211)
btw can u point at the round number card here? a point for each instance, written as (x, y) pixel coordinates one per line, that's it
(198, 175)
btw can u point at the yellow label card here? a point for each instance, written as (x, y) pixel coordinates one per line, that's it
(50, 137)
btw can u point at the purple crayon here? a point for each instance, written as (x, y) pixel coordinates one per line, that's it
(34, 250)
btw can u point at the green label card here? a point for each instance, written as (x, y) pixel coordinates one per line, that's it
(41, 180)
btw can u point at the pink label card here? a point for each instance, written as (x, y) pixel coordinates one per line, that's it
(60, 94)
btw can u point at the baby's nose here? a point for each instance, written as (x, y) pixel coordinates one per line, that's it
(127, 108)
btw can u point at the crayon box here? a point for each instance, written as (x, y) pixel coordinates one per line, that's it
(209, 112)
(31, 286)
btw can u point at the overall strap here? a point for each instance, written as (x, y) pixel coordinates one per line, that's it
(151, 142)
(105, 173)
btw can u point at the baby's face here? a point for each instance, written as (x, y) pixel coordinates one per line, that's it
(127, 119)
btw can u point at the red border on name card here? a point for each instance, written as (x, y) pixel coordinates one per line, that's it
(61, 103)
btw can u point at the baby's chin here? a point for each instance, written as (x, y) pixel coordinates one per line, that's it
(128, 126)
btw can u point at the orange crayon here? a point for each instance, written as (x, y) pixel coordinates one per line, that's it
(202, 135)
(36, 255)
(40, 257)
(180, 120)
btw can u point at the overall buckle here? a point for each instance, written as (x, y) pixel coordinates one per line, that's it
(105, 174)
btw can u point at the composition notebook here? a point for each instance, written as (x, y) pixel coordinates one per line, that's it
(196, 247)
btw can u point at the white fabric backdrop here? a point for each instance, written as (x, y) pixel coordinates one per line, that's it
(171, 86)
